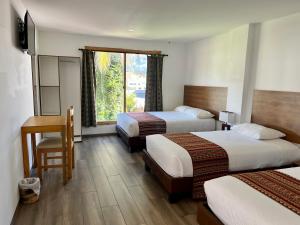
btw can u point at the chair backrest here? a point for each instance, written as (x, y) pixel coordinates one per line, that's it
(70, 127)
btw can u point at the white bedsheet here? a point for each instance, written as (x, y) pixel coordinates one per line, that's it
(244, 153)
(175, 122)
(236, 203)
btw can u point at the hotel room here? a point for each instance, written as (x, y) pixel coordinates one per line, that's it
(150, 112)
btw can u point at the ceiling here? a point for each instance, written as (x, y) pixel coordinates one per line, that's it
(172, 20)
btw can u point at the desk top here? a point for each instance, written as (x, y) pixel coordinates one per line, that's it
(44, 122)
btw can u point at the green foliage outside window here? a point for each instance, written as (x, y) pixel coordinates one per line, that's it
(109, 78)
(110, 82)
(131, 102)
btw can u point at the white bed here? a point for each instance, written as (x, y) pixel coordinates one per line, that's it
(244, 153)
(235, 202)
(175, 122)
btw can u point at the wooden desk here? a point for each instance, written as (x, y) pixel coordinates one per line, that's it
(39, 124)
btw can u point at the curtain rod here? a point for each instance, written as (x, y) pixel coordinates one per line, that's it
(120, 50)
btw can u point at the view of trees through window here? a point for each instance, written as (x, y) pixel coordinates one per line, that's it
(111, 97)
(136, 70)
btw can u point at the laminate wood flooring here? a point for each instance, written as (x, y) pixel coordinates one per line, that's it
(109, 187)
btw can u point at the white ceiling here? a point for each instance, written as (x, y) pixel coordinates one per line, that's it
(174, 20)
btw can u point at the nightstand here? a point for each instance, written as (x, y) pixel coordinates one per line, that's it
(226, 118)
(226, 126)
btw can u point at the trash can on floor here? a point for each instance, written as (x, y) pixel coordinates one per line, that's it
(29, 190)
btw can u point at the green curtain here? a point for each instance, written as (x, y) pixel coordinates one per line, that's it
(88, 89)
(154, 98)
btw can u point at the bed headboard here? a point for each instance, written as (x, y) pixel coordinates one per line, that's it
(213, 99)
(278, 110)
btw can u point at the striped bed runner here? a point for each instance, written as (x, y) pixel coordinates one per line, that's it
(149, 124)
(209, 160)
(278, 186)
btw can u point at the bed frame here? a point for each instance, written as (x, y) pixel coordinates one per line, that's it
(213, 99)
(205, 216)
(278, 110)
(183, 186)
(176, 187)
(134, 144)
(265, 103)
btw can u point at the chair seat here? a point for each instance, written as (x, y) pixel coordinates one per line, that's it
(51, 142)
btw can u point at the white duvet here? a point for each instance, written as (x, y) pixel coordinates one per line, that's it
(175, 122)
(236, 203)
(244, 153)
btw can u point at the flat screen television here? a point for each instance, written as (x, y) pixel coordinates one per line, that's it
(27, 35)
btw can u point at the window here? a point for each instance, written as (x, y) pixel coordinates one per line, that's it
(136, 70)
(121, 84)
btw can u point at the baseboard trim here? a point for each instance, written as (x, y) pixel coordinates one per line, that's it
(98, 135)
(17, 210)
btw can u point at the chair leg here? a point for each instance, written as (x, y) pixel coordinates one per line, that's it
(69, 164)
(45, 161)
(64, 167)
(73, 158)
(64, 154)
(39, 165)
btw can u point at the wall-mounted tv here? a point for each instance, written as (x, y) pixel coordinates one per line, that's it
(27, 35)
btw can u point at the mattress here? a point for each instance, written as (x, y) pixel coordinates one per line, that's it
(176, 122)
(244, 153)
(235, 202)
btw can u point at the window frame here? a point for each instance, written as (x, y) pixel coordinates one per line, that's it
(125, 52)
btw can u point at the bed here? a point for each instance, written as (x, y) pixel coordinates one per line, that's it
(244, 153)
(172, 165)
(212, 99)
(175, 122)
(232, 201)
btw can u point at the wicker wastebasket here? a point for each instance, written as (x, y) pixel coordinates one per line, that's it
(29, 190)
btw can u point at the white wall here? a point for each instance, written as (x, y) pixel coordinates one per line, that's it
(257, 56)
(63, 44)
(220, 61)
(16, 106)
(250, 72)
(278, 65)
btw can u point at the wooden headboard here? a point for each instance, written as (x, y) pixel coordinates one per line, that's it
(278, 110)
(213, 99)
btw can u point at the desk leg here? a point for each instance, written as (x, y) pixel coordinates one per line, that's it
(33, 145)
(25, 154)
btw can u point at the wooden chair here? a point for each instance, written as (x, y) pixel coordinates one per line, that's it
(54, 145)
(70, 137)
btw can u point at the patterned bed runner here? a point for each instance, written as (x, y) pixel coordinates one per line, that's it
(209, 160)
(149, 124)
(278, 186)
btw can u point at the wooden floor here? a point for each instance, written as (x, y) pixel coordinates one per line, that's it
(109, 187)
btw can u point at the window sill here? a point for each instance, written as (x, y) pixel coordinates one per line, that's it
(106, 122)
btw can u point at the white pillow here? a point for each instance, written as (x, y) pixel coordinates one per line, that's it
(181, 108)
(199, 113)
(256, 131)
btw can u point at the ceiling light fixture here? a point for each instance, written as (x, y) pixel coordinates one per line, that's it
(131, 30)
